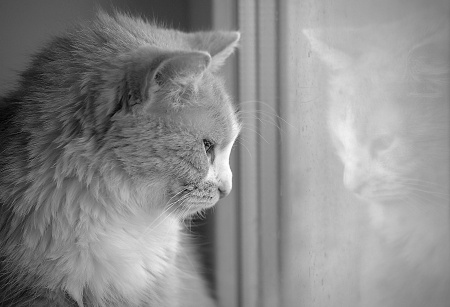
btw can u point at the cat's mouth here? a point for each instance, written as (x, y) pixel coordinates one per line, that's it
(193, 198)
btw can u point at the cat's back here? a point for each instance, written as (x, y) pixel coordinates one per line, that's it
(8, 110)
(12, 139)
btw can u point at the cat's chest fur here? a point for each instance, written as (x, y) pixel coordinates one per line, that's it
(123, 255)
(134, 256)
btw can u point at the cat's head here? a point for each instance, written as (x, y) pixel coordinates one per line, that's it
(173, 120)
(151, 104)
(388, 104)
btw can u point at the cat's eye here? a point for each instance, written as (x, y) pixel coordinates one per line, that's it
(380, 144)
(209, 146)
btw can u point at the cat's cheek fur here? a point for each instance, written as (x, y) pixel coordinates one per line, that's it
(216, 184)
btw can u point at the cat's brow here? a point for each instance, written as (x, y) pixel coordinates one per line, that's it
(233, 131)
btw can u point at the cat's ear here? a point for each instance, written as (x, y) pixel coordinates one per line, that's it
(333, 57)
(148, 71)
(428, 63)
(219, 44)
(180, 68)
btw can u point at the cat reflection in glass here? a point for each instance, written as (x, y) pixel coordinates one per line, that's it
(117, 132)
(388, 117)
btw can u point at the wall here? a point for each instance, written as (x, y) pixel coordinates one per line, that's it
(26, 24)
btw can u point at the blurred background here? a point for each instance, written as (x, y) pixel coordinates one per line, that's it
(25, 25)
(290, 233)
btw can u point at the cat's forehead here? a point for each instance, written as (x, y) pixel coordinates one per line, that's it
(211, 113)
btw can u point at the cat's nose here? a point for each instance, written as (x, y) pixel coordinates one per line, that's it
(225, 183)
(223, 192)
(224, 188)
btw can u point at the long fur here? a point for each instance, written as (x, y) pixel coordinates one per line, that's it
(102, 158)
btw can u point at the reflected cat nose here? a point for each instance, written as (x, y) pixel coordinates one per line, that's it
(353, 184)
(358, 188)
(355, 187)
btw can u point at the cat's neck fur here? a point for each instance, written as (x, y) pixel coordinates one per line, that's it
(122, 244)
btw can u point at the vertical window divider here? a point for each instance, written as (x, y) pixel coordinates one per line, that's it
(269, 140)
(227, 229)
(254, 237)
(249, 252)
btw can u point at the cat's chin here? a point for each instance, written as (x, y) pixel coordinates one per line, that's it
(193, 200)
(196, 206)
(190, 199)
(201, 204)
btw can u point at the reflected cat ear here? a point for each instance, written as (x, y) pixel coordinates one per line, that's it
(333, 57)
(219, 44)
(148, 70)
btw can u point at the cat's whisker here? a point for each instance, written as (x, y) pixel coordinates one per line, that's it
(260, 102)
(272, 111)
(268, 118)
(177, 202)
(182, 213)
(158, 221)
(256, 132)
(181, 199)
(264, 117)
(246, 148)
(264, 121)
(175, 195)
(253, 130)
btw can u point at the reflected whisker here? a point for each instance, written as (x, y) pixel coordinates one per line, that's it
(406, 179)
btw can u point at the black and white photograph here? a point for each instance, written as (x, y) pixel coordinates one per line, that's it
(225, 153)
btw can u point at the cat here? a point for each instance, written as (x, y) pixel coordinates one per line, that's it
(118, 132)
(388, 117)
